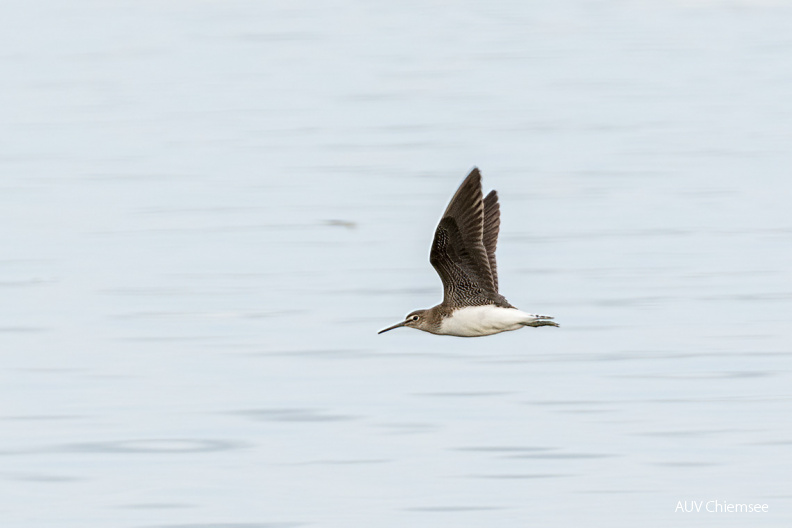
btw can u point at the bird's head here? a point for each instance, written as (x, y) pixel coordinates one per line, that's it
(416, 319)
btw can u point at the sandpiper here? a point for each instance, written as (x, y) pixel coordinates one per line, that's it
(463, 254)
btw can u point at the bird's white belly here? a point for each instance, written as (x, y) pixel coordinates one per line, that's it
(473, 321)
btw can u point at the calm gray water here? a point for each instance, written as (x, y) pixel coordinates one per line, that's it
(208, 209)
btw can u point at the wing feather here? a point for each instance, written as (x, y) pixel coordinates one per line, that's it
(459, 253)
(491, 229)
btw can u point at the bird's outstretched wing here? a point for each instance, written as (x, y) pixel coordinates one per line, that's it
(491, 229)
(459, 253)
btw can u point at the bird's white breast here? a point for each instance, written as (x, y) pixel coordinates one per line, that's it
(473, 321)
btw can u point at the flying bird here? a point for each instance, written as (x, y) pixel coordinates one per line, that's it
(463, 254)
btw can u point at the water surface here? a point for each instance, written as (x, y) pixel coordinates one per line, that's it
(209, 209)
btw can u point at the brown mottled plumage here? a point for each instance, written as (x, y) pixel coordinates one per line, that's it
(463, 254)
(491, 229)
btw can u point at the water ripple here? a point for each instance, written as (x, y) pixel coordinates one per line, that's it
(292, 415)
(151, 446)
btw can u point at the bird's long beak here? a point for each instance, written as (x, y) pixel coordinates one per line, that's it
(392, 327)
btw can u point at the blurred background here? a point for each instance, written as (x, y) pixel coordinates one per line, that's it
(208, 209)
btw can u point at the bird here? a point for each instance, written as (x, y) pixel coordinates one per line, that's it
(463, 254)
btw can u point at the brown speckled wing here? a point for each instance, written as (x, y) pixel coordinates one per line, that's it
(458, 251)
(491, 229)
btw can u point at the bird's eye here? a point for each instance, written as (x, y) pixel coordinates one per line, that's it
(414, 318)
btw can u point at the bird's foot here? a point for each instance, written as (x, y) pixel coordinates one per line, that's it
(541, 322)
